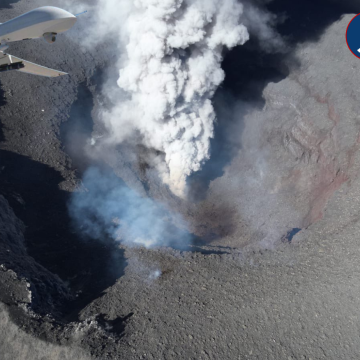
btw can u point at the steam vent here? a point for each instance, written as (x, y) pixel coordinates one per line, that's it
(185, 184)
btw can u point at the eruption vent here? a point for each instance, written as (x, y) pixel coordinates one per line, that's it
(170, 69)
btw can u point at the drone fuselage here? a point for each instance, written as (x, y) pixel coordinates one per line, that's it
(36, 24)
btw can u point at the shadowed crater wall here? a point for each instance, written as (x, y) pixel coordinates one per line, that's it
(88, 266)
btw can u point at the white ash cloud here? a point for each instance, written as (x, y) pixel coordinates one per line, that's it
(170, 54)
(171, 70)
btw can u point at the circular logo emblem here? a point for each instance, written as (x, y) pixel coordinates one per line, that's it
(353, 36)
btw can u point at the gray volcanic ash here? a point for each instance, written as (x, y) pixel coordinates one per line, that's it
(170, 55)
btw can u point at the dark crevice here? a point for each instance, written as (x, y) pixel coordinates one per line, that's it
(290, 235)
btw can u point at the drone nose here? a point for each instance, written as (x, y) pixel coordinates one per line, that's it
(66, 15)
(62, 20)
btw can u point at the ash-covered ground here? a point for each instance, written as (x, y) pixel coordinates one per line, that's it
(269, 270)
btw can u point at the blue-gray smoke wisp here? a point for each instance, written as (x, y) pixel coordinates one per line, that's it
(110, 208)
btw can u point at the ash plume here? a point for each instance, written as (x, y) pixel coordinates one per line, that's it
(170, 55)
(171, 71)
(107, 207)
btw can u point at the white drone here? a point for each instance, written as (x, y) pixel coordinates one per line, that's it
(46, 22)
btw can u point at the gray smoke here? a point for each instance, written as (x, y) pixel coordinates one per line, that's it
(170, 54)
(107, 207)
